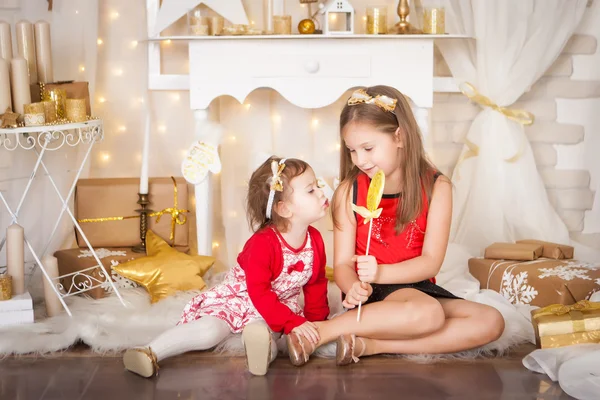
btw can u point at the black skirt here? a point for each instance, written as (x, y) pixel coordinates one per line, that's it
(381, 291)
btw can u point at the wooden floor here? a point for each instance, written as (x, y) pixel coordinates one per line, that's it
(79, 374)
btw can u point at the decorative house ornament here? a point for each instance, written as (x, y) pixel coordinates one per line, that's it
(338, 17)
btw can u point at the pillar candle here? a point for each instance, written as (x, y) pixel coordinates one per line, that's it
(53, 304)
(43, 52)
(145, 155)
(5, 41)
(15, 257)
(26, 47)
(19, 83)
(5, 99)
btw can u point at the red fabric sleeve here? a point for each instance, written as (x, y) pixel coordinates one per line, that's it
(259, 262)
(316, 307)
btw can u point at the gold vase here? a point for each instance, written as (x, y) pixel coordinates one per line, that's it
(403, 27)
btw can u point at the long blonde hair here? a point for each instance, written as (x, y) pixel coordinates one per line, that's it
(417, 171)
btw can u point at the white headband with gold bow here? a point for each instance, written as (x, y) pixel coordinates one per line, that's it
(275, 182)
(384, 102)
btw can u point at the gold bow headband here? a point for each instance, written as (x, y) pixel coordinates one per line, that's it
(276, 183)
(384, 102)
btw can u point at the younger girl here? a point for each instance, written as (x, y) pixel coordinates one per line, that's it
(260, 294)
(403, 310)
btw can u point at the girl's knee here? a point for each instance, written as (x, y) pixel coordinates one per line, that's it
(492, 323)
(428, 315)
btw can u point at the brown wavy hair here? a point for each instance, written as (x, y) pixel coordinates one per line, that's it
(259, 188)
(417, 170)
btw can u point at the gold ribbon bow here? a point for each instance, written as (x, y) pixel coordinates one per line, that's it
(384, 102)
(177, 217)
(521, 116)
(560, 309)
(366, 213)
(276, 182)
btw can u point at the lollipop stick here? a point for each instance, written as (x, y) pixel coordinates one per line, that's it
(366, 254)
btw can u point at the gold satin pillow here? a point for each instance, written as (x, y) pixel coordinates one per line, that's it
(165, 270)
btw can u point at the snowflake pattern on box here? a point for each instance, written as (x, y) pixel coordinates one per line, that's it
(565, 272)
(515, 288)
(102, 253)
(580, 264)
(120, 281)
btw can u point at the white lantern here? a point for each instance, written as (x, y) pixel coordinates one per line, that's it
(339, 17)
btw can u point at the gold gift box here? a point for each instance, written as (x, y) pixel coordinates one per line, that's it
(559, 325)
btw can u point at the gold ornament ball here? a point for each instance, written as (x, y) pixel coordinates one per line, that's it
(306, 27)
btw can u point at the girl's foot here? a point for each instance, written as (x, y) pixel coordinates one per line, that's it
(257, 344)
(142, 361)
(346, 348)
(299, 349)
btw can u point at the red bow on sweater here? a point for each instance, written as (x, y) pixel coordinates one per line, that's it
(299, 266)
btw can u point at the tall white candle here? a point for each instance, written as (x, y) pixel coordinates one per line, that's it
(15, 257)
(53, 305)
(145, 155)
(43, 52)
(26, 47)
(5, 41)
(5, 99)
(19, 82)
(269, 15)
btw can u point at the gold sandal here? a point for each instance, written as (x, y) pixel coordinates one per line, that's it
(257, 346)
(141, 361)
(297, 349)
(345, 346)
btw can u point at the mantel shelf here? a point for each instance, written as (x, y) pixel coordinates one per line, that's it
(310, 37)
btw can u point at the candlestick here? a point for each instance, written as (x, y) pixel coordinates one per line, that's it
(43, 51)
(19, 81)
(144, 211)
(26, 47)
(15, 257)
(53, 305)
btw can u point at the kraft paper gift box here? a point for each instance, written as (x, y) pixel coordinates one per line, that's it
(98, 202)
(558, 325)
(552, 250)
(72, 261)
(75, 90)
(513, 251)
(538, 282)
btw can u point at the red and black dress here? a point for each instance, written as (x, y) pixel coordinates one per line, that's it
(391, 248)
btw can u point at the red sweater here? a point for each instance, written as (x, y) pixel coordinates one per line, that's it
(262, 261)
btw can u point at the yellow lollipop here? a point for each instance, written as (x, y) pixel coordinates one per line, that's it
(373, 199)
(371, 212)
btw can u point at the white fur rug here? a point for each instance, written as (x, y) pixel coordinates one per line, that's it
(108, 327)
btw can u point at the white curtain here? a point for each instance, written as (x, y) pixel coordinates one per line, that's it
(516, 41)
(74, 32)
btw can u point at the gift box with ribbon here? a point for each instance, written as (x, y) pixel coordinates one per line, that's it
(538, 282)
(105, 210)
(559, 325)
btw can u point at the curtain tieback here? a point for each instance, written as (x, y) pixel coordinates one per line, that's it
(522, 117)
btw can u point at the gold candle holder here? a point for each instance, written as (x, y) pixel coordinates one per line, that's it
(59, 96)
(5, 287)
(36, 119)
(434, 20)
(404, 27)
(216, 26)
(75, 110)
(199, 30)
(282, 24)
(377, 20)
(49, 111)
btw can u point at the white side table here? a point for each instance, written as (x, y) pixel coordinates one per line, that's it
(38, 141)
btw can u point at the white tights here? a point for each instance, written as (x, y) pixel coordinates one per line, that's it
(202, 334)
